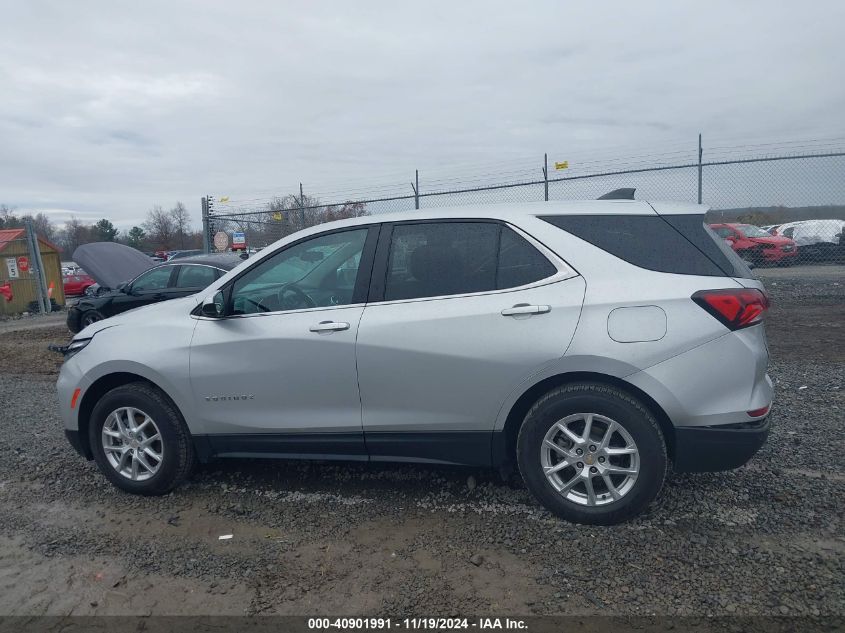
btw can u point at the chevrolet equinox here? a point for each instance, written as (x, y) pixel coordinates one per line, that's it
(588, 344)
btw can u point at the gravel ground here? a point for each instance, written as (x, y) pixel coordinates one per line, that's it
(315, 538)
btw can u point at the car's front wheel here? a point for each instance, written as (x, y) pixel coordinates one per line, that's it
(139, 440)
(90, 316)
(591, 453)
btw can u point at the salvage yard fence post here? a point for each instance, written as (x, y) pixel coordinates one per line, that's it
(42, 293)
(699, 168)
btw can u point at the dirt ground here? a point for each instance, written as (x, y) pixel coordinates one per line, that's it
(402, 540)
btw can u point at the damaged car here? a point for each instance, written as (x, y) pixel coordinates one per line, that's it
(129, 279)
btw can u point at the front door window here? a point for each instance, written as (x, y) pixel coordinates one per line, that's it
(315, 273)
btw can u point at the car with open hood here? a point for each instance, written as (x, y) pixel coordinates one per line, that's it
(170, 280)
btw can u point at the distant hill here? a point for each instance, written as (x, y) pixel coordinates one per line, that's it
(777, 215)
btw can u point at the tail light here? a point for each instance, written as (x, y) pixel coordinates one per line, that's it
(735, 309)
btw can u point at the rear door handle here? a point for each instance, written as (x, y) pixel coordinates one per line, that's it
(524, 308)
(329, 326)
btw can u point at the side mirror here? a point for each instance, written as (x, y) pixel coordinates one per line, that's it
(214, 306)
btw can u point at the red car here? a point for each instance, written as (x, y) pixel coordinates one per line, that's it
(75, 285)
(757, 246)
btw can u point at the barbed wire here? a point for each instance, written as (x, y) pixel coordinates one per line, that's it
(532, 176)
(476, 176)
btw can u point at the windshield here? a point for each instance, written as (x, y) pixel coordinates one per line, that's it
(753, 231)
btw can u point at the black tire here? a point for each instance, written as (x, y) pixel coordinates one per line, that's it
(88, 317)
(178, 451)
(616, 405)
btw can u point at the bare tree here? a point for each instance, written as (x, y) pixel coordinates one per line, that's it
(43, 225)
(72, 235)
(8, 219)
(181, 223)
(160, 227)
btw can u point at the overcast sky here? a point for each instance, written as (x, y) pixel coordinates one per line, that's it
(111, 107)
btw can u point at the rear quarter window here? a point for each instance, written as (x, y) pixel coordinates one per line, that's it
(679, 244)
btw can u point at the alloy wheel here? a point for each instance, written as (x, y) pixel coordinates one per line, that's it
(132, 443)
(590, 459)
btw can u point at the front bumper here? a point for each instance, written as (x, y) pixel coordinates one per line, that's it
(77, 443)
(777, 255)
(711, 448)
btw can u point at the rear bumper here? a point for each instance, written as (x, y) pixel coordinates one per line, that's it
(711, 448)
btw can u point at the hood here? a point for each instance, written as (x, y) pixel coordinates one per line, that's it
(163, 312)
(110, 263)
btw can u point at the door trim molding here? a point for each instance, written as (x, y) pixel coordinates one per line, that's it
(460, 448)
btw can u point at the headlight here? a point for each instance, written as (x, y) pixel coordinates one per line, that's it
(75, 347)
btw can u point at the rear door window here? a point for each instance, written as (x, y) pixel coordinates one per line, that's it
(191, 276)
(434, 259)
(519, 262)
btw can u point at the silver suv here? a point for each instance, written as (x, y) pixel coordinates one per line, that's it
(586, 343)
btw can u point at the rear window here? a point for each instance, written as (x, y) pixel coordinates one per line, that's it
(680, 244)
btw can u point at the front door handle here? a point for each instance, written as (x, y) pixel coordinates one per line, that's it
(329, 326)
(524, 308)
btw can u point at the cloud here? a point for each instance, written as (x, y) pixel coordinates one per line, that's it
(114, 107)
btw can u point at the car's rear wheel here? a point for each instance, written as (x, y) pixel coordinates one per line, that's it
(90, 316)
(139, 440)
(591, 453)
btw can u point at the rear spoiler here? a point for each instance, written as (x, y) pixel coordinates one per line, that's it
(625, 193)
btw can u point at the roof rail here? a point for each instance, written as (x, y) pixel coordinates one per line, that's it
(626, 193)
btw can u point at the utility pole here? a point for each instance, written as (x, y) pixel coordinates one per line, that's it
(209, 209)
(206, 231)
(546, 174)
(700, 151)
(301, 208)
(416, 187)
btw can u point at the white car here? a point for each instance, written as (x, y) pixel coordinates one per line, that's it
(817, 240)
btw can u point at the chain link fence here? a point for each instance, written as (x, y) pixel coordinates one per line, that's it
(779, 209)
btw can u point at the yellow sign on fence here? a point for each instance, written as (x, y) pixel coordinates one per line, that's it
(563, 165)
